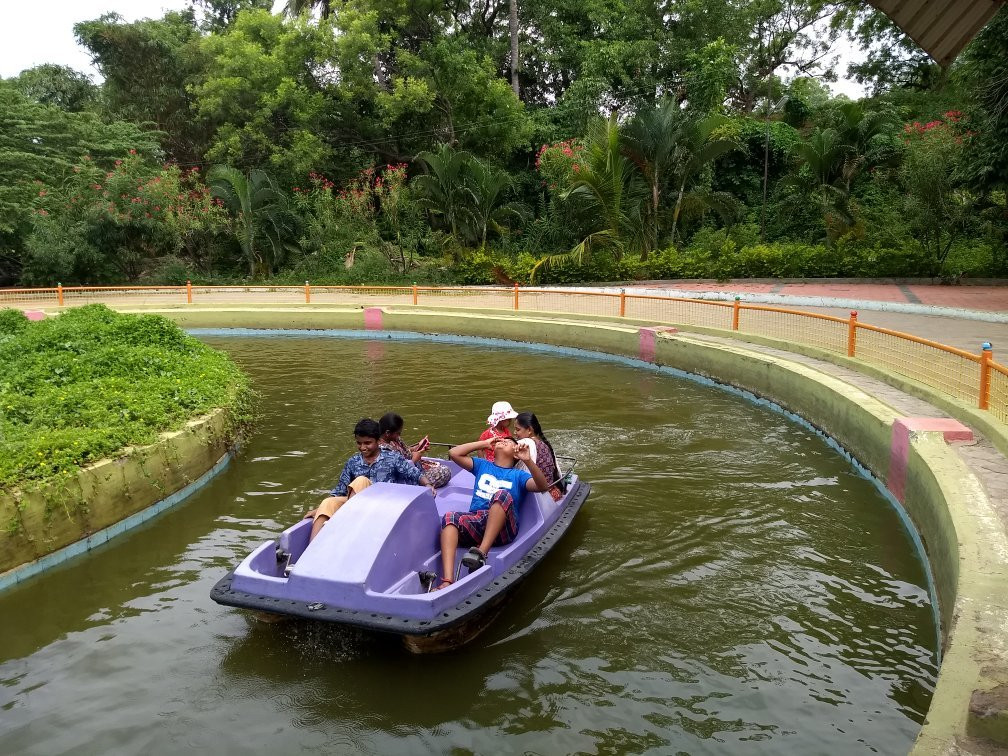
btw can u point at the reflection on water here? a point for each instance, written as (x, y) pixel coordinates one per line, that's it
(730, 584)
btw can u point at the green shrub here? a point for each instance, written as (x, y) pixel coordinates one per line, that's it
(12, 322)
(168, 271)
(84, 385)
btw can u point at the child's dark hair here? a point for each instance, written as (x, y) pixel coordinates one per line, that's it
(529, 420)
(367, 428)
(390, 421)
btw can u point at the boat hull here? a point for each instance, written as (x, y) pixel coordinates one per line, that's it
(428, 622)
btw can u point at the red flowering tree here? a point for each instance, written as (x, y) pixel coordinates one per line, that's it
(340, 223)
(558, 164)
(933, 174)
(105, 226)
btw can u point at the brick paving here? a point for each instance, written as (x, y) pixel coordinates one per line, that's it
(951, 329)
(990, 298)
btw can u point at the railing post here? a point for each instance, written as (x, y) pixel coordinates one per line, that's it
(735, 313)
(985, 360)
(622, 302)
(516, 296)
(188, 291)
(307, 293)
(59, 294)
(415, 293)
(852, 334)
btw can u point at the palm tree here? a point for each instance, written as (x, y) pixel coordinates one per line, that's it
(823, 157)
(698, 147)
(444, 189)
(608, 194)
(489, 187)
(652, 141)
(856, 129)
(257, 215)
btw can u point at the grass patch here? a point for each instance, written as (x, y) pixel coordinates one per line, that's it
(82, 386)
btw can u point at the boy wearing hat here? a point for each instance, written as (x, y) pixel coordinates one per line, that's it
(501, 415)
(492, 519)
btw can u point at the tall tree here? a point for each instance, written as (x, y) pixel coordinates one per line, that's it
(513, 34)
(39, 146)
(148, 67)
(986, 70)
(264, 95)
(218, 15)
(62, 86)
(297, 7)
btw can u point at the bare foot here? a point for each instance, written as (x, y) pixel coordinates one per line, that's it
(445, 582)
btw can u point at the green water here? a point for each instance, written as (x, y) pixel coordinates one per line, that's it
(731, 585)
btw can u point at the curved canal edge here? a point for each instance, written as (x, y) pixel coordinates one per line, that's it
(963, 537)
(47, 526)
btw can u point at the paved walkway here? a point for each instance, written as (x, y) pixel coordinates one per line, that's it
(958, 326)
(968, 297)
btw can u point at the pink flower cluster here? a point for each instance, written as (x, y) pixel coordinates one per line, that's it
(567, 148)
(321, 181)
(952, 125)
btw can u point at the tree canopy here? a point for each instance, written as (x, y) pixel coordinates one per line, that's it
(473, 141)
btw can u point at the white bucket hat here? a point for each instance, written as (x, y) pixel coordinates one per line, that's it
(500, 411)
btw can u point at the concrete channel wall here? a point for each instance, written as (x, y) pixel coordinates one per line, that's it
(965, 543)
(45, 526)
(964, 540)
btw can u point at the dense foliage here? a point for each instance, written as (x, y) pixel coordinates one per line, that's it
(472, 142)
(81, 387)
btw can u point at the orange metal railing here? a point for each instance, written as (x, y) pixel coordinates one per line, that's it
(969, 377)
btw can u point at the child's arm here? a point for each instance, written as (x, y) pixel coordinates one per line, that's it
(460, 454)
(343, 485)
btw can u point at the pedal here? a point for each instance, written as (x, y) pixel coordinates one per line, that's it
(427, 579)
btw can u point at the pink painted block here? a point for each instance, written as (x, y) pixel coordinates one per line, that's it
(647, 341)
(34, 315)
(372, 319)
(951, 429)
(899, 451)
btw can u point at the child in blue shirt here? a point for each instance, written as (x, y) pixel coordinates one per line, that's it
(371, 464)
(492, 518)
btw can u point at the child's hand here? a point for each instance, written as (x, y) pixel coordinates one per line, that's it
(523, 453)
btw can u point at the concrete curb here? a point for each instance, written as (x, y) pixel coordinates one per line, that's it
(58, 522)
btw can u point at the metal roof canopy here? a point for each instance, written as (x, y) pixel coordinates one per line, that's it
(941, 27)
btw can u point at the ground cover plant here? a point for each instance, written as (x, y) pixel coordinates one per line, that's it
(82, 386)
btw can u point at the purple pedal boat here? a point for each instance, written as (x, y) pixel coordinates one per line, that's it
(365, 568)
